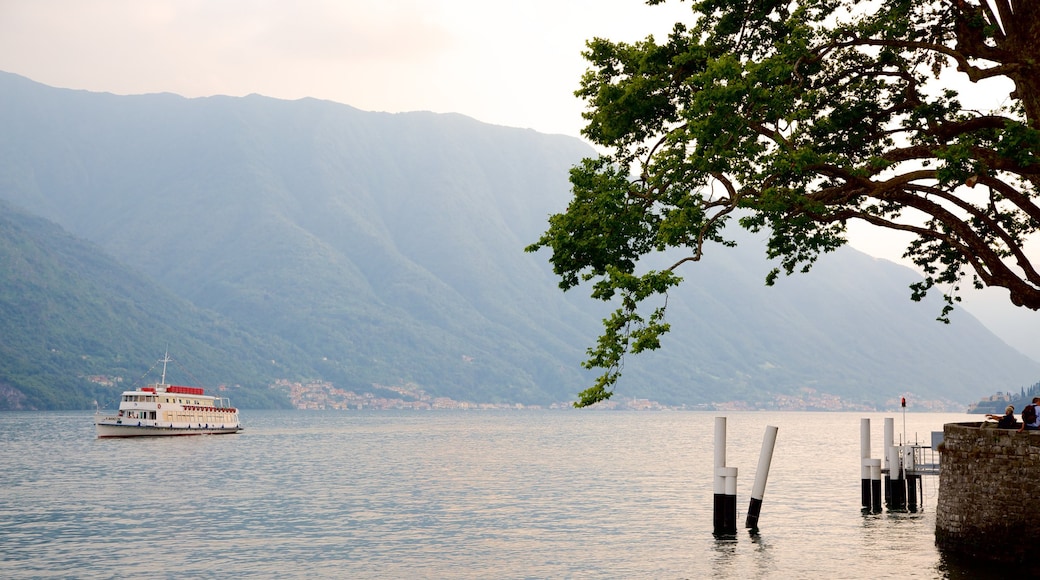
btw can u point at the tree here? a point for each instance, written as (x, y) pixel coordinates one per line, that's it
(795, 117)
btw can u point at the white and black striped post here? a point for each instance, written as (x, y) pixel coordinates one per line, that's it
(897, 498)
(875, 485)
(864, 454)
(726, 525)
(725, 484)
(765, 458)
(909, 481)
(720, 462)
(890, 440)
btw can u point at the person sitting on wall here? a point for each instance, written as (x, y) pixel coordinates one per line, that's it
(1030, 416)
(1007, 420)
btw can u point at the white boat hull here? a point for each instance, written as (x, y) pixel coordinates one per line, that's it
(107, 429)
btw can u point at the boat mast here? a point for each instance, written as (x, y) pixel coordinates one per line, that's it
(165, 359)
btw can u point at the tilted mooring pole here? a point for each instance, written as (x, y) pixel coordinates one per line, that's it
(765, 458)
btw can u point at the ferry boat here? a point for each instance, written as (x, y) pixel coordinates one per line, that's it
(161, 409)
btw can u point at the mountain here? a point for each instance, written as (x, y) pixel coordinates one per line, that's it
(65, 305)
(374, 249)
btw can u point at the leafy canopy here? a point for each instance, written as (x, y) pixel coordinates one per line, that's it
(799, 116)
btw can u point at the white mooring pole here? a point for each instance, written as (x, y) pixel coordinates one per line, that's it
(875, 485)
(727, 524)
(897, 497)
(725, 484)
(890, 441)
(864, 455)
(765, 458)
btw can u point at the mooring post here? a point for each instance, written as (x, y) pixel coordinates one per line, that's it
(720, 478)
(765, 458)
(727, 524)
(909, 477)
(892, 460)
(864, 455)
(890, 440)
(897, 500)
(875, 485)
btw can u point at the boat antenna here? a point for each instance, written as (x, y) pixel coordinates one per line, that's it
(165, 359)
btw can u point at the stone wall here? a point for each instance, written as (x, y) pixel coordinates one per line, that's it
(989, 487)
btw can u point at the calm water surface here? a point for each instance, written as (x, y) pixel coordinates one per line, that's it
(532, 494)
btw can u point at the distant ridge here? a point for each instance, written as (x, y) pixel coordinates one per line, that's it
(386, 249)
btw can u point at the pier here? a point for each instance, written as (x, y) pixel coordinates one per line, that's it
(898, 472)
(926, 457)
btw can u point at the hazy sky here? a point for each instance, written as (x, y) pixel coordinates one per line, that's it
(507, 63)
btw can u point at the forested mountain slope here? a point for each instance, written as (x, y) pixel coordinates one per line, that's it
(71, 317)
(372, 248)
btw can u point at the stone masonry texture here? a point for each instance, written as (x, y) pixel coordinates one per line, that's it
(989, 483)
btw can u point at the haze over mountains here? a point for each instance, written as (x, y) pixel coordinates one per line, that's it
(265, 239)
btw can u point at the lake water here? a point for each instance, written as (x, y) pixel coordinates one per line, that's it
(528, 494)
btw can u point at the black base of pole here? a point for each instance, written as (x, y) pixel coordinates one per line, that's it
(912, 481)
(719, 513)
(730, 523)
(898, 501)
(754, 509)
(725, 514)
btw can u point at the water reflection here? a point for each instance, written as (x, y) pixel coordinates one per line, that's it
(725, 549)
(955, 567)
(764, 563)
